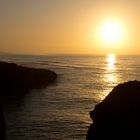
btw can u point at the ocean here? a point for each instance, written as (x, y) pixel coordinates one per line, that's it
(61, 110)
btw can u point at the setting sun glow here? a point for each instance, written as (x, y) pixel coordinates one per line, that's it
(111, 32)
(94, 27)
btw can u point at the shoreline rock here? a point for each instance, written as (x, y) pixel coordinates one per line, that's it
(15, 79)
(117, 117)
(2, 125)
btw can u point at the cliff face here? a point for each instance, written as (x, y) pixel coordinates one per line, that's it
(18, 79)
(2, 126)
(117, 117)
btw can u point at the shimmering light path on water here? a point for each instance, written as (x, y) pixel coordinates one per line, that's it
(61, 111)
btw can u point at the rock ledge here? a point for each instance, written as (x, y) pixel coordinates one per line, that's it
(117, 117)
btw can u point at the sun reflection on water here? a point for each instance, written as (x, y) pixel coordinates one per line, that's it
(111, 60)
(110, 77)
(111, 69)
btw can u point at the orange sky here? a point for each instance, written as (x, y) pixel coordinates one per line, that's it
(66, 26)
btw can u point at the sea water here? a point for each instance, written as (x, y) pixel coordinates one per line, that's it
(61, 110)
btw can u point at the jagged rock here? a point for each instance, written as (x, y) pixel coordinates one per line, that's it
(117, 117)
(15, 79)
(2, 126)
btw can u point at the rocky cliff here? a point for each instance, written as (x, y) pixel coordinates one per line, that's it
(15, 79)
(117, 117)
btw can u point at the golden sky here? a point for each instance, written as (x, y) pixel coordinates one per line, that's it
(67, 26)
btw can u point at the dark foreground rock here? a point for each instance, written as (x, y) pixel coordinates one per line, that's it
(2, 126)
(117, 117)
(15, 79)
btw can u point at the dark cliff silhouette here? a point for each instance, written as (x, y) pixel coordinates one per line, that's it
(2, 126)
(117, 117)
(17, 80)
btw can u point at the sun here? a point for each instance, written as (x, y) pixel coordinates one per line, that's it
(111, 33)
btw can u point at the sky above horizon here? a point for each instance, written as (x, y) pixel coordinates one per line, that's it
(67, 26)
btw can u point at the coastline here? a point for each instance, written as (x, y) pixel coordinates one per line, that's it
(15, 79)
(117, 116)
